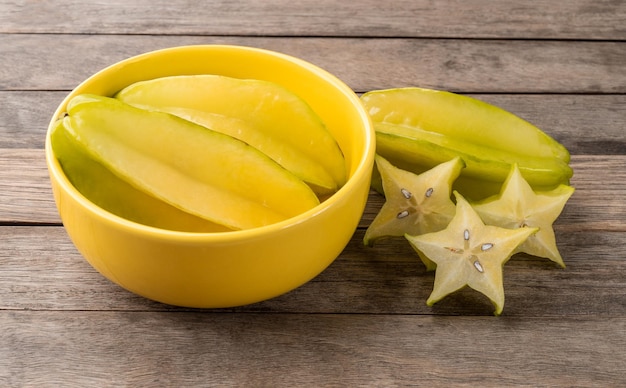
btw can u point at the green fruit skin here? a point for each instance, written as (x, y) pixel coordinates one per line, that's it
(205, 173)
(106, 190)
(482, 175)
(463, 118)
(423, 128)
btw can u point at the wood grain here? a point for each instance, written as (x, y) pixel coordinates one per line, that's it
(24, 117)
(573, 19)
(469, 66)
(41, 270)
(25, 192)
(46, 349)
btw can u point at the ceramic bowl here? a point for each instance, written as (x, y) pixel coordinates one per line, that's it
(225, 269)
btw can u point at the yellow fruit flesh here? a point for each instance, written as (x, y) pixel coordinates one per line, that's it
(470, 253)
(205, 173)
(518, 205)
(417, 129)
(277, 122)
(106, 190)
(414, 204)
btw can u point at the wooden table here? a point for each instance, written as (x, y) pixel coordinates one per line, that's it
(363, 321)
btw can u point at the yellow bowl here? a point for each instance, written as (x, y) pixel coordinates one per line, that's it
(231, 268)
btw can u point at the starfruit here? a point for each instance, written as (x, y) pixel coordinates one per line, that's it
(469, 253)
(518, 205)
(206, 173)
(271, 118)
(113, 194)
(417, 129)
(414, 204)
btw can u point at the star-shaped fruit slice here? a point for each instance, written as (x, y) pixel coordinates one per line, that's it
(518, 205)
(414, 204)
(469, 253)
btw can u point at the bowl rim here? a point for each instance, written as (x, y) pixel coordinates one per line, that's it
(366, 158)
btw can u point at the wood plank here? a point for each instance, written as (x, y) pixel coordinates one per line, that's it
(48, 349)
(41, 270)
(24, 117)
(585, 124)
(26, 197)
(469, 66)
(25, 192)
(573, 19)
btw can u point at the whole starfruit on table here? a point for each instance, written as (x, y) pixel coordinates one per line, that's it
(417, 129)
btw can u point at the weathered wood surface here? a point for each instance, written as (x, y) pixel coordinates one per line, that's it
(386, 279)
(140, 349)
(363, 321)
(470, 66)
(572, 19)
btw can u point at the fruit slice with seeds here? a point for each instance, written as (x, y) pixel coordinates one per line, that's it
(414, 204)
(470, 253)
(518, 206)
